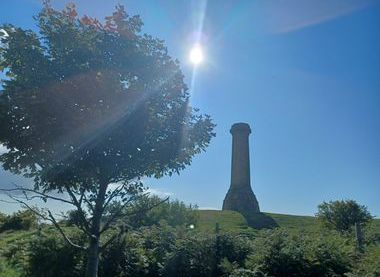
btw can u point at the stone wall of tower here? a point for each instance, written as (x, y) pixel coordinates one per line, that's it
(240, 196)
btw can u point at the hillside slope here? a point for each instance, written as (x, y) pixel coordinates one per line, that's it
(230, 221)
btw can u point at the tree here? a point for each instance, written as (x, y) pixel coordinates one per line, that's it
(87, 109)
(343, 215)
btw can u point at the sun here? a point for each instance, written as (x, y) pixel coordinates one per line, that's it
(196, 55)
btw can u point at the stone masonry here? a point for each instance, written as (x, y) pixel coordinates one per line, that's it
(240, 197)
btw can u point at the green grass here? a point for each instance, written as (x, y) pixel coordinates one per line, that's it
(230, 221)
(10, 237)
(295, 221)
(376, 224)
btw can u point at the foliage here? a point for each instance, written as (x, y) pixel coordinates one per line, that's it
(279, 253)
(234, 249)
(21, 220)
(158, 242)
(369, 265)
(50, 255)
(343, 215)
(161, 250)
(175, 213)
(7, 271)
(2, 219)
(74, 218)
(124, 257)
(234, 270)
(192, 256)
(199, 254)
(372, 233)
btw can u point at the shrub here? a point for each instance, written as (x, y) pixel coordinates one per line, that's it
(175, 213)
(233, 270)
(198, 254)
(158, 242)
(369, 264)
(329, 254)
(234, 249)
(124, 257)
(21, 220)
(7, 271)
(50, 255)
(343, 215)
(193, 255)
(279, 253)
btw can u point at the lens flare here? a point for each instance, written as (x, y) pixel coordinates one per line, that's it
(196, 55)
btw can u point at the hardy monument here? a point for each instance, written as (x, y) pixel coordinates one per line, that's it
(240, 196)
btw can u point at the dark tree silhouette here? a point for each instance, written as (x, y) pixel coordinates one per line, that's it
(87, 109)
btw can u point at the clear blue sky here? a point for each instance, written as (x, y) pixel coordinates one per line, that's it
(304, 74)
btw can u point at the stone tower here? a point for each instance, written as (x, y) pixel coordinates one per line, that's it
(240, 196)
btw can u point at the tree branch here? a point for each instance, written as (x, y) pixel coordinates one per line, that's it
(80, 210)
(39, 194)
(63, 233)
(113, 195)
(114, 215)
(89, 204)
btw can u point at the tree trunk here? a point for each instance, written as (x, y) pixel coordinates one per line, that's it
(93, 249)
(93, 258)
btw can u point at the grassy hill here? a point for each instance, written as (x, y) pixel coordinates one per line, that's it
(230, 221)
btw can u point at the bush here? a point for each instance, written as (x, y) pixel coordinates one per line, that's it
(7, 271)
(158, 242)
(343, 215)
(175, 213)
(21, 220)
(369, 264)
(329, 255)
(198, 254)
(234, 249)
(278, 253)
(229, 269)
(124, 257)
(49, 255)
(193, 255)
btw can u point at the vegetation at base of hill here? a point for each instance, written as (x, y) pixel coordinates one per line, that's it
(158, 245)
(21, 220)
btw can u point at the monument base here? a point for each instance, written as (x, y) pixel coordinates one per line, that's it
(244, 201)
(241, 200)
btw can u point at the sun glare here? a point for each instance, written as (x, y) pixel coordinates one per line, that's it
(196, 55)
